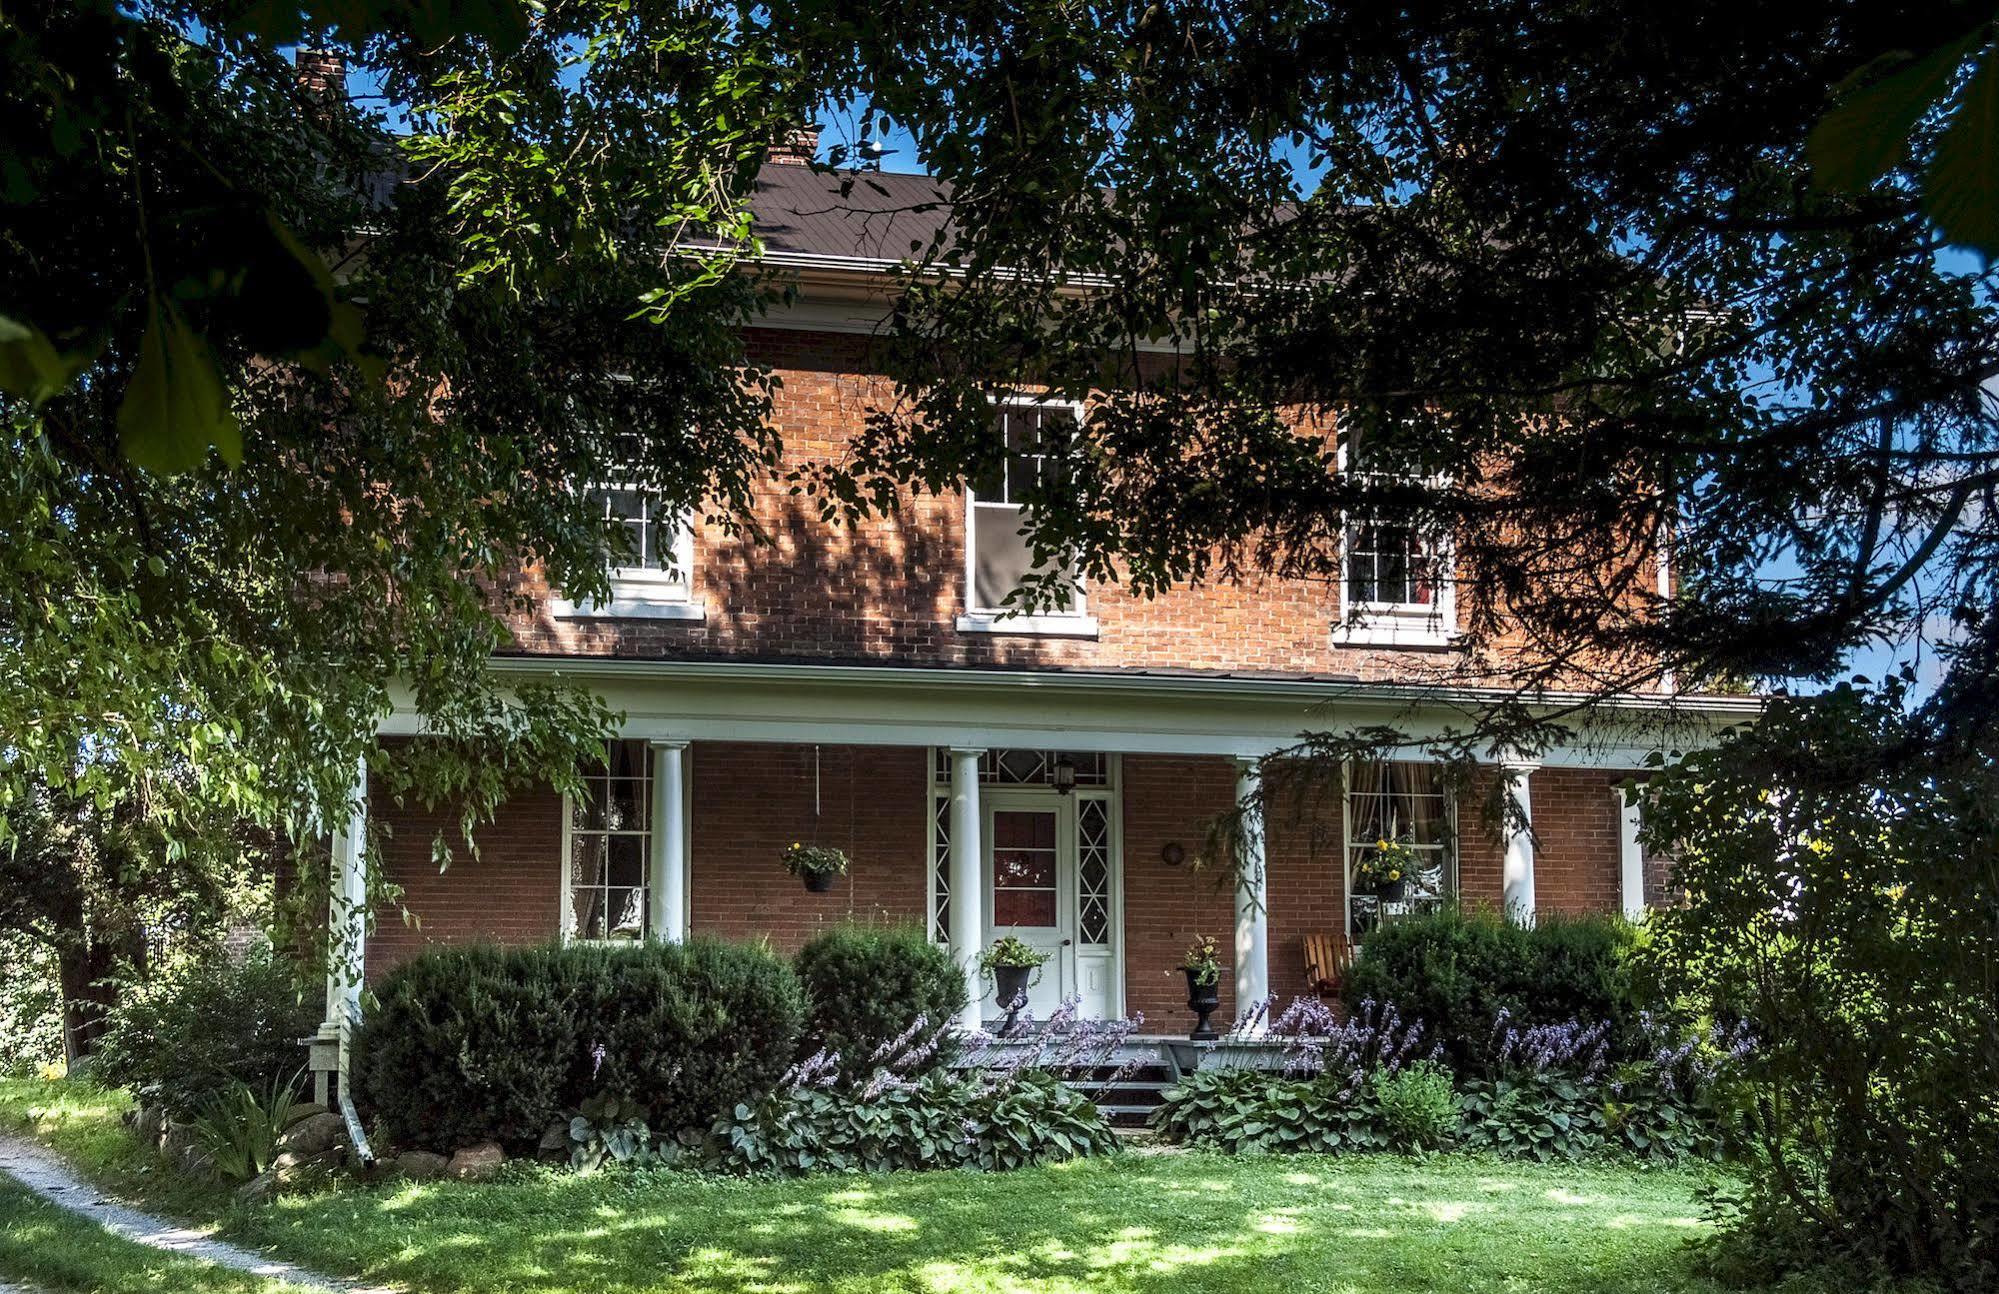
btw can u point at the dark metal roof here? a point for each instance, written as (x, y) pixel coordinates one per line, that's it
(864, 215)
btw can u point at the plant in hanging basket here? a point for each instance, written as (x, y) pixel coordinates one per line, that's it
(1384, 870)
(816, 865)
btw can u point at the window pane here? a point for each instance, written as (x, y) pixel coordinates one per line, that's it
(1004, 560)
(625, 804)
(626, 860)
(586, 860)
(1024, 830)
(586, 913)
(1034, 908)
(625, 913)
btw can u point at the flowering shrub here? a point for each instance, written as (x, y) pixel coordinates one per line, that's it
(1338, 1110)
(1007, 1109)
(1376, 1081)
(1456, 972)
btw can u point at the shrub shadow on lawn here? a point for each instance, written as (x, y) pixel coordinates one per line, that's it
(1162, 1226)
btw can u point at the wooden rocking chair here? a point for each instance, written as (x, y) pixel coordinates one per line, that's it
(1326, 960)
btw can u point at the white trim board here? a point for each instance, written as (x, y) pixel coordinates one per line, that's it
(1137, 714)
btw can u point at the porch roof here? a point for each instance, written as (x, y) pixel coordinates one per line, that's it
(1123, 710)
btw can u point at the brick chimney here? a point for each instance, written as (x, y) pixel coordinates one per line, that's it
(322, 73)
(797, 148)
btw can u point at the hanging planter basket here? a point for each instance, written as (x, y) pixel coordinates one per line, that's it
(816, 865)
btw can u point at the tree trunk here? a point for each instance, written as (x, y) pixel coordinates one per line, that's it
(87, 995)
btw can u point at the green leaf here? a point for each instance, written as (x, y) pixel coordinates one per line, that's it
(1961, 192)
(1857, 142)
(175, 409)
(30, 365)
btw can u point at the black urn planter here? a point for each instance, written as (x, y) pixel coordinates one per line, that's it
(1010, 990)
(1391, 891)
(1202, 999)
(819, 882)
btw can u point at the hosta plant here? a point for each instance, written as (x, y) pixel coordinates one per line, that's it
(604, 1128)
(943, 1120)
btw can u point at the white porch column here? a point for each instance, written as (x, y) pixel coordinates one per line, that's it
(347, 920)
(1252, 913)
(1631, 855)
(669, 841)
(1517, 876)
(968, 915)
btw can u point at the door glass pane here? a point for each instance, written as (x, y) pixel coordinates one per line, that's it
(1024, 869)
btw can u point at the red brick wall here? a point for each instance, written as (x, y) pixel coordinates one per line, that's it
(752, 800)
(1165, 908)
(888, 590)
(509, 893)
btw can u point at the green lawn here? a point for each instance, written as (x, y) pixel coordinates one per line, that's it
(1176, 1224)
(49, 1248)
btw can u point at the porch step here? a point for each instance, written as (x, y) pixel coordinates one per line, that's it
(1127, 1096)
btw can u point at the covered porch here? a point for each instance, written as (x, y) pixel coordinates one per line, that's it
(1065, 809)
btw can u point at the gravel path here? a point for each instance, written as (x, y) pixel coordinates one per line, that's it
(47, 1176)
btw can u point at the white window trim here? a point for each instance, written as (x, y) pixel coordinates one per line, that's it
(1078, 623)
(654, 880)
(565, 862)
(1398, 624)
(642, 593)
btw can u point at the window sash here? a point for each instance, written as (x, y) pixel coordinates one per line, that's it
(613, 817)
(663, 546)
(998, 557)
(1394, 799)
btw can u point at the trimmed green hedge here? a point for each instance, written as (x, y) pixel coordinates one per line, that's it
(867, 985)
(1456, 971)
(477, 1043)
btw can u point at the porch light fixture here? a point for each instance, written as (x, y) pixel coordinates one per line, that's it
(1065, 775)
(1173, 853)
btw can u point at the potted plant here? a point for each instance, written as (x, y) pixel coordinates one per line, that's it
(816, 865)
(1384, 871)
(1012, 963)
(1203, 968)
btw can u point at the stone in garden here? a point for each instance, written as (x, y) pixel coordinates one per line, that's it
(259, 1188)
(421, 1165)
(315, 1135)
(476, 1163)
(148, 1122)
(181, 1146)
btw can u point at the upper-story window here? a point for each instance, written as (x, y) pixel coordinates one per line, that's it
(654, 577)
(1395, 580)
(999, 560)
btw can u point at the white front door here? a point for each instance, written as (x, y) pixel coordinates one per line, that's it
(1031, 879)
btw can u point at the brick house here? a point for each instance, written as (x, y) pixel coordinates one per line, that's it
(1047, 776)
